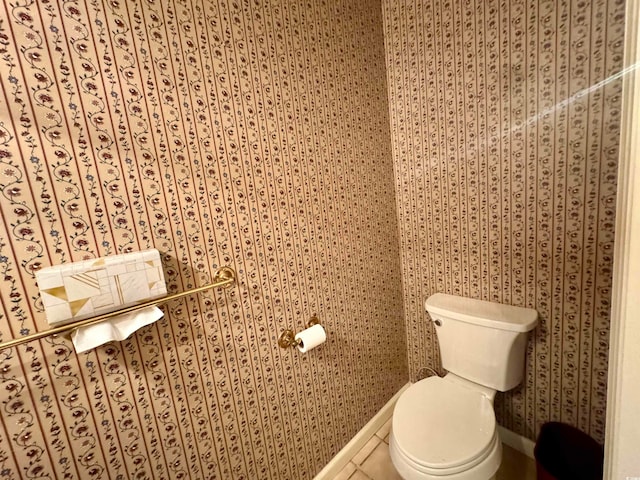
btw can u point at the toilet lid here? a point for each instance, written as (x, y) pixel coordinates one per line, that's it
(438, 423)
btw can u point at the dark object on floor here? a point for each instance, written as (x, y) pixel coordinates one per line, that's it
(565, 453)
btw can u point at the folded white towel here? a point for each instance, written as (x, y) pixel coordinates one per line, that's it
(79, 290)
(116, 328)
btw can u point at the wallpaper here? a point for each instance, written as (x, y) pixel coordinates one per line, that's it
(252, 134)
(504, 124)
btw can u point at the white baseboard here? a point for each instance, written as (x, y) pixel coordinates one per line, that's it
(517, 442)
(344, 456)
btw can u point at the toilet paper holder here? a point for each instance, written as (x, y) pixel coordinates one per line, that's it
(288, 337)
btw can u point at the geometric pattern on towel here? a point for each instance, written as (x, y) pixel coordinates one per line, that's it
(74, 291)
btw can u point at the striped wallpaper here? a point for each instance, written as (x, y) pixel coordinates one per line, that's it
(504, 124)
(259, 135)
(253, 134)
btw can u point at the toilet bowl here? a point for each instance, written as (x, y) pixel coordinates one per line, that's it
(445, 428)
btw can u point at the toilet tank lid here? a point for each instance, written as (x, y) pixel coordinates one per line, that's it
(481, 312)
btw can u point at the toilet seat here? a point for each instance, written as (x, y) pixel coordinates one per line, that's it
(441, 427)
(485, 469)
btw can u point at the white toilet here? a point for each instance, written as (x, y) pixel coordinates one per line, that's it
(445, 428)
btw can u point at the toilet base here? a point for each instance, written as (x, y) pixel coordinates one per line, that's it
(485, 470)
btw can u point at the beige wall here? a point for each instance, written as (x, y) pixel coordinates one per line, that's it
(504, 124)
(257, 135)
(253, 134)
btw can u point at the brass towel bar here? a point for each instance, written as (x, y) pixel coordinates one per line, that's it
(224, 277)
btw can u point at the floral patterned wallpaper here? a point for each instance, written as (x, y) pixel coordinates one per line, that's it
(504, 124)
(256, 134)
(252, 134)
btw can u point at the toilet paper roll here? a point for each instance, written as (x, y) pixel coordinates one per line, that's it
(311, 338)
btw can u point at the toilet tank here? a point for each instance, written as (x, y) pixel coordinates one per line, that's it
(481, 341)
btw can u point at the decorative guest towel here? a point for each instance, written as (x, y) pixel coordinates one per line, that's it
(79, 290)
(117, 328)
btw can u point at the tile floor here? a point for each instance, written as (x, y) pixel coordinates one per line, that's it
(373, 462)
